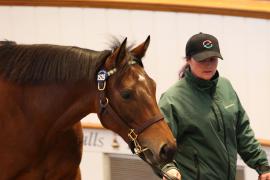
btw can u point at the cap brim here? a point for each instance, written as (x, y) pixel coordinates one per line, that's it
(206, 54)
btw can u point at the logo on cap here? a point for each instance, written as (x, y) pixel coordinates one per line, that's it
(207, 44)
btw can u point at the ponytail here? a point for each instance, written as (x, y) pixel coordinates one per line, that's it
(182, 70)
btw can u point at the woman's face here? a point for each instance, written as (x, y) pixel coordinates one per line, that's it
(205, 69)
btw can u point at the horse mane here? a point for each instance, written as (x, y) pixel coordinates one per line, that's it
(48, 63)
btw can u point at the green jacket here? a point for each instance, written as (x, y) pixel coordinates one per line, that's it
(211, 127)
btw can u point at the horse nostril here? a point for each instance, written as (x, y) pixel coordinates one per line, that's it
(167, 152)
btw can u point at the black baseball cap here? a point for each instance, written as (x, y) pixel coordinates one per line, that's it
(202, 46)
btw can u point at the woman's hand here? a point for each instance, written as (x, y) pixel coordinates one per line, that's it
(174, 174)
(265, 176)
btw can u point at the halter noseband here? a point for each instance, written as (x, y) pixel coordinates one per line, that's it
(105, 107)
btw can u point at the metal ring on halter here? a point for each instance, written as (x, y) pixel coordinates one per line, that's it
(104, 104)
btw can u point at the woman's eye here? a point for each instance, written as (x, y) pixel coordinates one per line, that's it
(126, 94)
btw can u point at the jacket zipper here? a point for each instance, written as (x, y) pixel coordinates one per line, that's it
(196, 162)
(218, 123)
(225, 140)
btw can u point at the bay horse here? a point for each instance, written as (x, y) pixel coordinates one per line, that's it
(45, 90)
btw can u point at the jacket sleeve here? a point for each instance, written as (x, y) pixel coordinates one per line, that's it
(248, 147)
(166, 107)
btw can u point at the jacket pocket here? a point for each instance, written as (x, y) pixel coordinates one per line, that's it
(187, 159)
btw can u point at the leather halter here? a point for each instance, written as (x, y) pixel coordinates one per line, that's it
(134, 132)
(106, 108)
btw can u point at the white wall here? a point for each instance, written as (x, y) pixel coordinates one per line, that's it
(244, 44)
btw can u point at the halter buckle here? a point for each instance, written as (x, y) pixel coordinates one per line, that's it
(101, 87)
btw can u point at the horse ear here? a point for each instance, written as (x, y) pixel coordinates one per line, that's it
(122, 52)
(140, 50)
(117, 56)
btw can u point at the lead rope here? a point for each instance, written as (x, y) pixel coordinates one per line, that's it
(168, 177)
(163, 173)
(157, 169)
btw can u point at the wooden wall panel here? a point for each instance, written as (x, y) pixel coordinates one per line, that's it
(247, 8)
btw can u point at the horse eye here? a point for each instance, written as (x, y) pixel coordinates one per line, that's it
(126, 94)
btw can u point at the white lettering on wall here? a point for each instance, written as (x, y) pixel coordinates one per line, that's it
(101, 140)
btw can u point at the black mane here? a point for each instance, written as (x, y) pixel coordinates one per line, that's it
(48, 63)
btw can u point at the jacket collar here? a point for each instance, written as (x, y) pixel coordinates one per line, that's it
(208, 86)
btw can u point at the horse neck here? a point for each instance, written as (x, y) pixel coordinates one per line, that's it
(86, 96)
(68, 102)
(74, 101)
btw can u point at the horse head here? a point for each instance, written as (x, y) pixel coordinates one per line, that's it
(128, 105)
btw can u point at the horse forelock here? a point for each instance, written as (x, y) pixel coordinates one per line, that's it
(48, 63)
(128, 68)
(116, 43)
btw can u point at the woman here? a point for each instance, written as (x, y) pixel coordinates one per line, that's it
(208, 120)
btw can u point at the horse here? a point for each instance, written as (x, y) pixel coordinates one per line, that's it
(46, 89)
